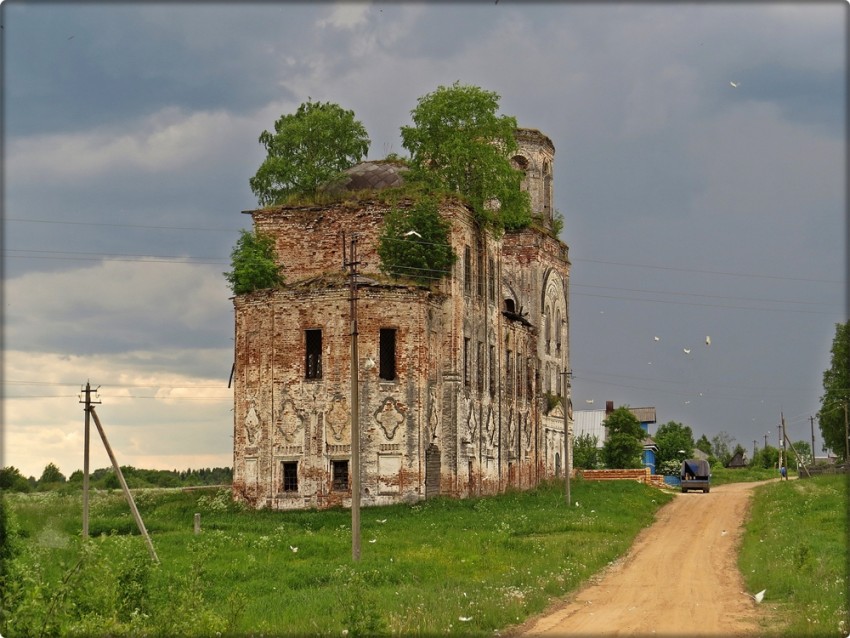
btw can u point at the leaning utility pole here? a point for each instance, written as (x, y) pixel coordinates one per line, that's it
(138, 517)
(350, 262)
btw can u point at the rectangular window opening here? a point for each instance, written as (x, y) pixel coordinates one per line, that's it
(339, 475)
(289, 472)
(387, 354)
(313, 350)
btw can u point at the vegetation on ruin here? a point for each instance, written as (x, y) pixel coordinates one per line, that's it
(443, 566)
(459, 144)
(414, 243)
(307, 149)
(254, 263)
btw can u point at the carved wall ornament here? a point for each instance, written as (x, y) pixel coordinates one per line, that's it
(389, 415)
(290, 421)
(252, 424)
(339, 417)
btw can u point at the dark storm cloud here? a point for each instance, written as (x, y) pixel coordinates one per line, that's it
(691, 207)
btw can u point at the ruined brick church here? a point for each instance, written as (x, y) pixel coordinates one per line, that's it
(461, 384)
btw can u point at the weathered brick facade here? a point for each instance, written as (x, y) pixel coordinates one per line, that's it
(452, 378)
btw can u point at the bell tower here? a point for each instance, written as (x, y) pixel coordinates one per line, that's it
(535, 157)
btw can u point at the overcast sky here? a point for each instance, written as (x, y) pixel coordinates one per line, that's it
(692, 207)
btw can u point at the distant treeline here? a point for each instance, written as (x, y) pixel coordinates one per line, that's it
(105, 478)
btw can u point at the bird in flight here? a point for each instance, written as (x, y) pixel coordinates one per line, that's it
(734, 85)
(686, 350)
(412, 232)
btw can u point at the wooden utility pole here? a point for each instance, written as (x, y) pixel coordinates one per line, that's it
(138, 518)
(86, 440)
(812, 422)
(567, 463)
(800, 460)
(350, 262)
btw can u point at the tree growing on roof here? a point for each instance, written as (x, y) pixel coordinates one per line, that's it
(254, 263)
(306, 150)
(415, 245)
(459, 144)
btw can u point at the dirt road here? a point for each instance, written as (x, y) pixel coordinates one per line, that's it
(679, 579)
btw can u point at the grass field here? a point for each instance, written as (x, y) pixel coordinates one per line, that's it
(462, 567)
(442, 566)
(795, 547)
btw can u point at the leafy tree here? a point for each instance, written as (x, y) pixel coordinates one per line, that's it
(720, 445)
(703, 445)
(415, 245)
(804, 449)
(51, 474)
(586, 453)
(254, 263)
(458, 144)
(12, 480)
(306, 150)
(670, 438)
(766, 457)
(836, 386)
(624, 442)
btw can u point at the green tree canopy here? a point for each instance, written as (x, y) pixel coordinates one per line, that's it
(51, 474)
(721, 447)
(586, 454)
(459, 144)
(836, 386)
(414, 243)
(624, 441)
(254, 263)
(12, 480)
(703, 445)
(307, 149)
(670, 438)
(766, 457)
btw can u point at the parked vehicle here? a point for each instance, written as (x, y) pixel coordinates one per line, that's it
(695, 475)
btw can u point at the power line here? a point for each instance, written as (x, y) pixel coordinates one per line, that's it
(117, 225)
(707, 272)
(691, 294)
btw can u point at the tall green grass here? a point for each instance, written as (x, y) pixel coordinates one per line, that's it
(464, 567)
(795, 547)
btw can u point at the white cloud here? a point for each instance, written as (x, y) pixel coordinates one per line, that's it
(118, 305)
(153, 417)
(170, 140)
(346, 16)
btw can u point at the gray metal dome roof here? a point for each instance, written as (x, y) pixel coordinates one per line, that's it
(369, 176)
